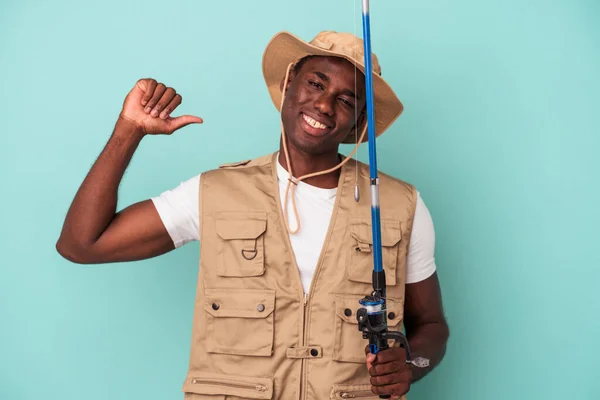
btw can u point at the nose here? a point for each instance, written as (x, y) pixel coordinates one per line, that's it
(324, 104)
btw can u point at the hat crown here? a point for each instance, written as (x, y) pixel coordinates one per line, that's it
(346, 44)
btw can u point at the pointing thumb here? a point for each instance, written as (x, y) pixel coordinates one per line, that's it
(184, 120)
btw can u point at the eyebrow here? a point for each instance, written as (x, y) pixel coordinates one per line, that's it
(347, 92)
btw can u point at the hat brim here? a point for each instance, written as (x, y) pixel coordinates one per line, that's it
(285, 48)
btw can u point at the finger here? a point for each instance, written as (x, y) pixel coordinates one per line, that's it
(147, 86)
(391, 354)
(165, 99)
(388, 368)
(184, 120)
(398, 389)
(171, 106)
(159, 90)
(371, 358)
(391, 379)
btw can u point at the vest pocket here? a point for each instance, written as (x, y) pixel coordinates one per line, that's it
(241, 244)
(360, 267)
(213, 386)
(239, 321)
(349, 345)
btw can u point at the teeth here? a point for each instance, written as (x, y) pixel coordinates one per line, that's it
(313, 123)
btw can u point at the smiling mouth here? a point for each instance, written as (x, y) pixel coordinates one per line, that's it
(314, 123)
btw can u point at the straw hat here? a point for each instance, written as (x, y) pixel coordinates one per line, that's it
(286, 48)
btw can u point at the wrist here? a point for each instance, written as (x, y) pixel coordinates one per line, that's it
(126, 127)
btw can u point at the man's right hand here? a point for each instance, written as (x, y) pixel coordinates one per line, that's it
(94, 232)
(149, 105)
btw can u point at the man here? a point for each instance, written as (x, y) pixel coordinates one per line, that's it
(275, 314)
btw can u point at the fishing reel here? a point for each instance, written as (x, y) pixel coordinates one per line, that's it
(372, 322)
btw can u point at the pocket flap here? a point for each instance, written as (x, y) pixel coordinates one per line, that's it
(395, 312)
(346, 307)
(361, 230)
(239, 303)
(241, 226)
(344, 302)
(221, 384)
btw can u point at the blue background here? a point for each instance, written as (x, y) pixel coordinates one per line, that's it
(500, 135)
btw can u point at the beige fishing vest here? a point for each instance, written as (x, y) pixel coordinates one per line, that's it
(255, 334)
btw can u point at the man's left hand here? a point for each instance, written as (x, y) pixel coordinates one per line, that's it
(389, 372)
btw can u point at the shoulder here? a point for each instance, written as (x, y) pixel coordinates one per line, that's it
(255, 162)
(391, 185)
(242, 165)
(245, 173)
(397, 182)
(384, 176)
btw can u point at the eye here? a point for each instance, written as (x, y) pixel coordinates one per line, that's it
(316, 84)
(346, 102)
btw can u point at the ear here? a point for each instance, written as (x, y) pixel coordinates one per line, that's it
(283, 86)
(361, 118)
(359, 122)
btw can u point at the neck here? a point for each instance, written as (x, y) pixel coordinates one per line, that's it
(304, 164)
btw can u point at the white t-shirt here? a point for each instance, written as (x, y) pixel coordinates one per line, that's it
(178, 209)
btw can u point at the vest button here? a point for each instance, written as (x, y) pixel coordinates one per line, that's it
(391, 315)
(215, 306)
(347, 312)
(314, 352)
(260, 307)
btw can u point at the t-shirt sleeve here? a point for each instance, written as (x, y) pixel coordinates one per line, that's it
(420, 260)
(178, 210)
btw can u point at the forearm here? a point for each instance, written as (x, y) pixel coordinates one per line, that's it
(94, 205)
(428, 341)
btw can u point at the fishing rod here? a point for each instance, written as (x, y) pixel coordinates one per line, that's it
(372, 317)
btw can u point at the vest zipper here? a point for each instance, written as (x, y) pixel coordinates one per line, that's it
(341, 180)
(356, 394)
(317, 272)
(260, 388)
(303, 363)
